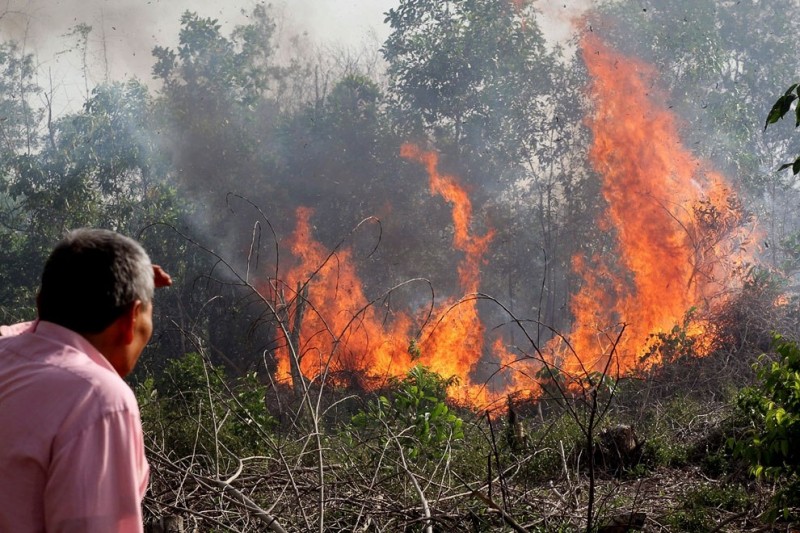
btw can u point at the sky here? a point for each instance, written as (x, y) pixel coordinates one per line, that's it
(124, 32)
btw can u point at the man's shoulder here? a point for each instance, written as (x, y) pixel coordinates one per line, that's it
(51, 390)
(85, 378)
(66, 373)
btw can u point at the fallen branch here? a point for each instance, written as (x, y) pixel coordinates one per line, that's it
(516, 526)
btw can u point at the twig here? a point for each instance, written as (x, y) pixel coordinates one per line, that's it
(728, 521)
(488, 501)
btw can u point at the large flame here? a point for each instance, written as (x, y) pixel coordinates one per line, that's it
(342, 332)
(339, 331)
(674, 221)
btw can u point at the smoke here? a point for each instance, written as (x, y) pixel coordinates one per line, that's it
(124, 33)
(558, 19)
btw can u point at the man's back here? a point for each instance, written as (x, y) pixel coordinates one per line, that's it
(71, 451)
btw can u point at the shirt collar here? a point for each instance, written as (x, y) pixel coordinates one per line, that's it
(70, 338)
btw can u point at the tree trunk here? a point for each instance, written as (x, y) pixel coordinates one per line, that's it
(294, 340)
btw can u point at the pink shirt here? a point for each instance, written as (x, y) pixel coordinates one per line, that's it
(71, 444)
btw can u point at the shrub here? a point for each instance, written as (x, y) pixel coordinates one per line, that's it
(191, 406)
(414, 413)
(772, 411)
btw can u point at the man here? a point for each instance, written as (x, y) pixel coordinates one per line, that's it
(71, 445)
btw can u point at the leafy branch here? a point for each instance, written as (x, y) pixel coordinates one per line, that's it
(780, 109)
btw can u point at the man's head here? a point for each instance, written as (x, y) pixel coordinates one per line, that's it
(100, 284)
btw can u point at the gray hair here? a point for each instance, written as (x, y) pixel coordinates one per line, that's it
(90, 279)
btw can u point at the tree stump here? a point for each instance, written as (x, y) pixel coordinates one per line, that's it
(617, 449)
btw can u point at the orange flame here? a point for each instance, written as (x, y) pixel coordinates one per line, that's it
(339, 332)
(447, 187)
(676, 228)
(673, 219)
(342, 332)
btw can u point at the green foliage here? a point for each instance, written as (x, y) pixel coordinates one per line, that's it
(191, 408)
(716, 463)
(553, 383)
(665, 450)
(781, 108)
(472, 73)
(19, 119)
(100, 167)
(208, 65)
(695, 513)
(561, 432)
(783, 105)
(415, 414)
(772, 409)
(602, 382)
(217, 120)
(662, 447)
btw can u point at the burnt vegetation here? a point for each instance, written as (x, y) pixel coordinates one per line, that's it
(211, 165)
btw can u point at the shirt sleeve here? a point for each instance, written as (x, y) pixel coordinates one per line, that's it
(97, 478)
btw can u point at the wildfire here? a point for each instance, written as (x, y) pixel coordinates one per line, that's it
(341, 332)
(675, 224)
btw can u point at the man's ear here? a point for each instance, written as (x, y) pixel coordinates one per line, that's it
(127, 322)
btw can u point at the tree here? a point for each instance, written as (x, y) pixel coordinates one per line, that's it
(218, 116)
(477, 79)
(342, 158)
(20, 125)
(100, 167)
(19, 128)
(211, 68)
(474, 76)
(217, 105)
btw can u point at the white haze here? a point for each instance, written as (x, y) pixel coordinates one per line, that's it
(124, 33)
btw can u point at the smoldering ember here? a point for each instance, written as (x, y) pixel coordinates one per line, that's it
(486, 265)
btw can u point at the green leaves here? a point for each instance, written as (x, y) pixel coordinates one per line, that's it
(783, 105)
(209, 66)
(772, 410)
(780, 109)
(795, 166)
(415, 414)
(473, 74)
(190, 396)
